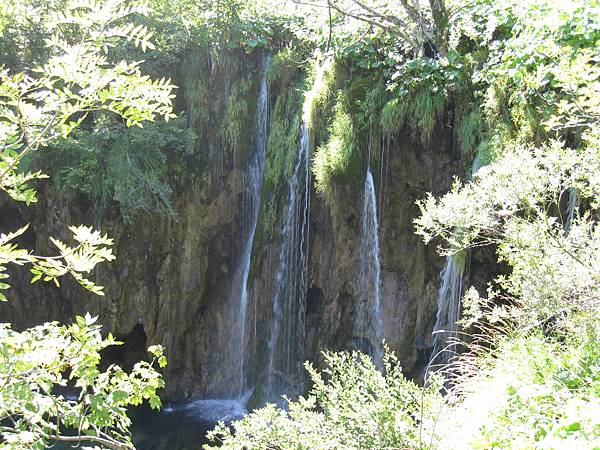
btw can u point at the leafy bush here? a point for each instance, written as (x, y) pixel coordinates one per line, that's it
(536, 392)
(37, 106)
(515, 203)
(230, 24)
(536, 203)
(351, 405)
(34, 362)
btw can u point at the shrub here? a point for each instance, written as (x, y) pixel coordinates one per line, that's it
(136, 168)
(351, 405)
(538, 392)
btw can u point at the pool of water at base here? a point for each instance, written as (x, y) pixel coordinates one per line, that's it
(178, 426)
(181, 426)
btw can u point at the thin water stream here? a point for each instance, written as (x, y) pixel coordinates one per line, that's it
(368, 326)
(239, 288)
(286, 333)
(445, 331)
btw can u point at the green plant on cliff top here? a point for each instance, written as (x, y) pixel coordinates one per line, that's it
(422, 90)
(35, 109)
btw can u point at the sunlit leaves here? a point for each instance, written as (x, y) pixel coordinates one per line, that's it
(34, 361)
(91, 249)
(75, 80)
(518, 203)
(37, 107)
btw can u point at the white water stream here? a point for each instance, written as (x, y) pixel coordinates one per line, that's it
(369, 323)
(254, 176)
(286, 333)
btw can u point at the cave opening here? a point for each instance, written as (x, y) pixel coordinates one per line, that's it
(133, 349)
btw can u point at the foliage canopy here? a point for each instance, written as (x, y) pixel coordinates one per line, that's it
(38, 105)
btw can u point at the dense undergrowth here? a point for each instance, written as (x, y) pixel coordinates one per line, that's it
(533, 391)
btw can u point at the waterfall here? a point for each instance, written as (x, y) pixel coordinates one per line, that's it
(254, 178)
(572, 207)
(286, 333)
(445, 331)
(368, 326)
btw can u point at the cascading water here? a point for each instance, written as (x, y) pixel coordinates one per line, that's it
(286, 333)
(445, 330)
(572, 206)
(368, 327)
(254, 179)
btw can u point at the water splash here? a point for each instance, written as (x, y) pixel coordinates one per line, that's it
(286, 333)
(445, 330)
(254, 179)
(210, 410)
(368, 328)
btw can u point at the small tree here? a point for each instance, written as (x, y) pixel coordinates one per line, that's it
(37, 106)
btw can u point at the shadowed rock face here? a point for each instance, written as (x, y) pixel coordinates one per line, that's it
(172, 279)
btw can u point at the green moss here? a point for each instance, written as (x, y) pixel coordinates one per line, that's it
(374, 100)
(343, 107)
(460, 259)
(339, 154)
(235, 120)
(195, 89)
(393, 115)
(283, 69)
(282, 145)
(320, 98)
(426, 108)
(492, 145)
(470, 130)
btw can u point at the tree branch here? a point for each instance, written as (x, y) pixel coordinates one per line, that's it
(105, 441)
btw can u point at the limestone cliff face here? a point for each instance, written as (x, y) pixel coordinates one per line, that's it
(171, 281)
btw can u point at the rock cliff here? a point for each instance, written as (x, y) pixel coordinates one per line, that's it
(172, 279)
